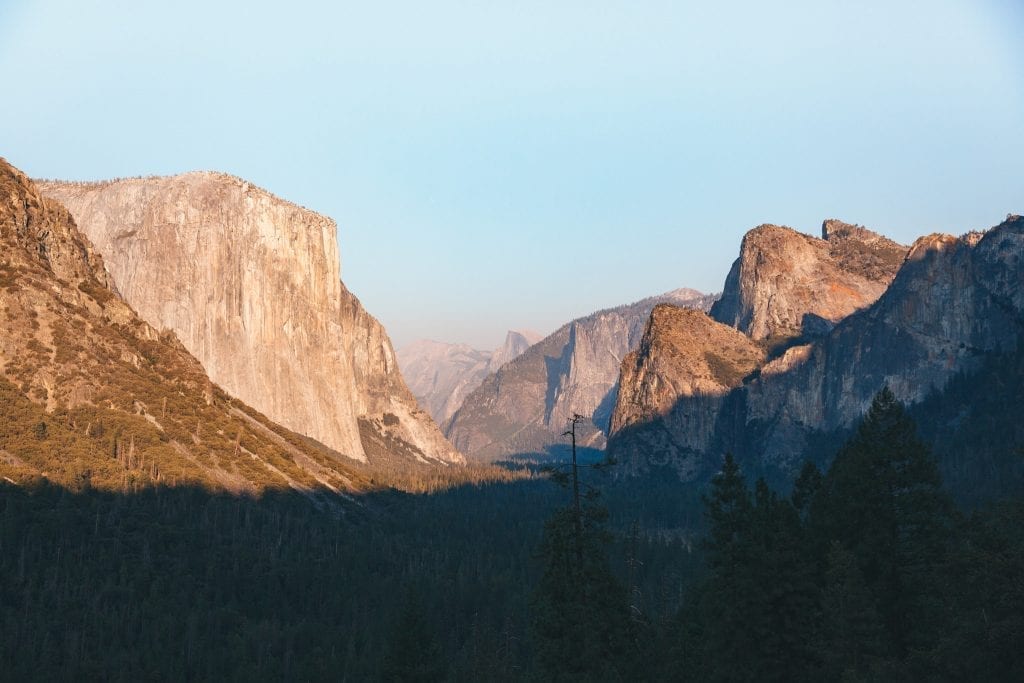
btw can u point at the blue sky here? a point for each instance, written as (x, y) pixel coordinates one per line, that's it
(518, 164)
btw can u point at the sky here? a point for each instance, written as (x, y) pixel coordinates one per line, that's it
(513, 165)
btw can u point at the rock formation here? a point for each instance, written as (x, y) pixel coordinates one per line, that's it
(674, 386)
(441, 375)
(516, 344)
(786, 284)
(251, 285)
(523, 407)
(93, 396)
(952, 301)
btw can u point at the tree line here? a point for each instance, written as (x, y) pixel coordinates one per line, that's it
(866, 572)
(863, 571)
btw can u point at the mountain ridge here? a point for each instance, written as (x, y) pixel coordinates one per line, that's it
(951, 301)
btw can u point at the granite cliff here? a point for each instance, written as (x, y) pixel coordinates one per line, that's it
(522, 408)
(251, 286)
(952, 301)
(441, 375)
(786, 284)
(92, 396)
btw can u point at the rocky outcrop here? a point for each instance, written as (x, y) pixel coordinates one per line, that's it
(441, 375)
(786, 284)
(953, 301)
(672, 388)
(251, 285)
(523, 407)
(91, 396)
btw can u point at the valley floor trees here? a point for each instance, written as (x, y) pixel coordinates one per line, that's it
(579, 608)
(865, 573)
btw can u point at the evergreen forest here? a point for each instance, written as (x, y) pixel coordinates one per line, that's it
(867, 567)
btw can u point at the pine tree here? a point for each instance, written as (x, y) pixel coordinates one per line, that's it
(804, 489)
(413, 653)
(850, 642)
(580, 621)
(728, 612)
(580, 618)
(882, 501)
(729, 515)
(785, 598)
(758, 604)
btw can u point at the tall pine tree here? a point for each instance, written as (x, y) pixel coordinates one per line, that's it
(580, 620)
(756, 615)
(882, 501)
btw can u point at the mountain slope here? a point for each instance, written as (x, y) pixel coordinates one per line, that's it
(953, 302)
(251, 285)
(441, 375)
(92, 396)
(523, 407)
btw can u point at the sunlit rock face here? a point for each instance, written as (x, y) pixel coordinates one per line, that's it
(251, 285)
(787, 284)
(94, 397)
(523, 408)
(441, 375)
(952, 300)
(672, 388)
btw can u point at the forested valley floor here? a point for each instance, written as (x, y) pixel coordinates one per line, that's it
(865, 569)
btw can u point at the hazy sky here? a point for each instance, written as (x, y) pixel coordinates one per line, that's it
(517, 164)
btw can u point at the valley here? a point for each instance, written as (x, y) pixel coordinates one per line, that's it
(198, 417)
(548, 342)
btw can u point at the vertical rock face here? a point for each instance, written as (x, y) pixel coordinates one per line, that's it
(441, 375)
(787, 284)
(952, 301)
(92, 396)
(251, 285)
(524, 406)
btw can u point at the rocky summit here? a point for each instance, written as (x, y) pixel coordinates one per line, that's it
(523, 408)
(251, 286)
(951, 302)
(441, 375)
(786, 284)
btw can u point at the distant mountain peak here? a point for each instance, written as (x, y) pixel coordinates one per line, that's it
(441, 374)
(529, 335)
